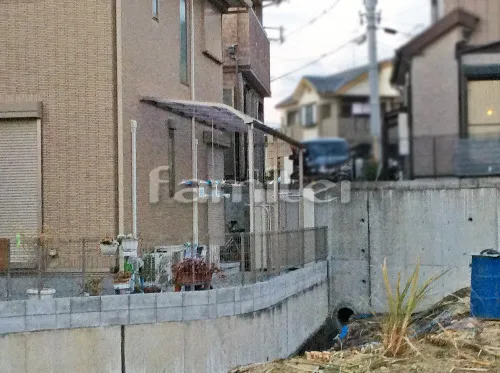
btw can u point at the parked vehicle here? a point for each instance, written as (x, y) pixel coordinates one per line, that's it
(324, 159)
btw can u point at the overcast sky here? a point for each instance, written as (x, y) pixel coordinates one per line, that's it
(330, 31)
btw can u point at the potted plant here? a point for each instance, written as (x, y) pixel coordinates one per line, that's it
(129, 244)
(93, 287)
(122, 277)
(108, 246)
(121, 282)
(193, 271)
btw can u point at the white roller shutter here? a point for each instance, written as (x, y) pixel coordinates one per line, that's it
(19, 181)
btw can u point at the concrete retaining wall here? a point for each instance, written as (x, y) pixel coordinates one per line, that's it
(435, 221)
(203, 331)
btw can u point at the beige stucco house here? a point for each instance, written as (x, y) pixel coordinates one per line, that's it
(332, 106)
(451, 73)
(335, 105)
(74, 76)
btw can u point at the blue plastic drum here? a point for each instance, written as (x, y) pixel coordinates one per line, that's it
(485, 286)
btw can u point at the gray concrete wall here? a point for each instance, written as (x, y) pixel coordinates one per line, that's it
(203, 331)
(438, 222)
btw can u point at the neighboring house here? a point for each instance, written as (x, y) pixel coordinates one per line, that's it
(451, 75)
(74, 75)
(335, 105)
(247, 82)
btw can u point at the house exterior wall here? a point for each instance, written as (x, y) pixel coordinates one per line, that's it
(435, 75)
(385, 88)
(62, 53)
(330, 126)
(149, 70)
(169, 221)
(253, 49)
(435, 106)
(488, 29)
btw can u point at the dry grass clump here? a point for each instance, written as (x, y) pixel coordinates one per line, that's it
(401, 306)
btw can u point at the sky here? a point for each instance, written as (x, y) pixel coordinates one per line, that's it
(305, 42)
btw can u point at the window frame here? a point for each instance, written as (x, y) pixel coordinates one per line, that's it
(155, 9)
(184, 54)
(216, 55)
(309, 112)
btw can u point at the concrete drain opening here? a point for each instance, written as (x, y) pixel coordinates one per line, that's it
(324, 338)
(343, 315)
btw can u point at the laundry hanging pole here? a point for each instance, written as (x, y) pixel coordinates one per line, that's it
(194, 141)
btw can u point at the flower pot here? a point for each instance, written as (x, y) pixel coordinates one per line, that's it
(122, 288)
(108, 250)
(152, 289)
(129, 247)
(186, 278)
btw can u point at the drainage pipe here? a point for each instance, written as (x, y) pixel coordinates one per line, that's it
(133, 129)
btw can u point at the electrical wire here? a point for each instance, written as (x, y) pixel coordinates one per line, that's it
(323, 56)
(313, 20)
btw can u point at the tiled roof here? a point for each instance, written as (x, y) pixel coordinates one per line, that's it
(330, 84)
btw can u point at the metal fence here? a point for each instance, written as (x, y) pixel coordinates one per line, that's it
(78, 268)
(451, 156)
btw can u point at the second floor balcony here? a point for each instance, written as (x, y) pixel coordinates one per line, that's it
(252, 54)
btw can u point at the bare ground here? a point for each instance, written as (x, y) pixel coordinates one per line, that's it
(448, 341)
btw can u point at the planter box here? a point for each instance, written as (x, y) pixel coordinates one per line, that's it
(108, 250)
(187, 278)
(129, 247)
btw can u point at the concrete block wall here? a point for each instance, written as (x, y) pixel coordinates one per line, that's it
(435, 221)
(202, 331)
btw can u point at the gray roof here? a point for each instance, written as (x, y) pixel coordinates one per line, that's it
(330, 84)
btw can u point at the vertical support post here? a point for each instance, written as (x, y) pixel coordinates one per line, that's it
(251, 195)
(243, 263)
(9, 284)
(434, 156)
(121, 259)
(371, 6)
(251, 186)
(84, 264)
(276, 206)
(276, 187)
(40, 258)
(119, 112)
(194, 149)
(133, 129)
(194, 141)
(301, 203)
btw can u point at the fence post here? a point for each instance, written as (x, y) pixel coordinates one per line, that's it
(242, 259)
(39, 260)
(9, 284)
(325, 244)
(84, 266)
(269, 248)
(302, 248)
(434, 158)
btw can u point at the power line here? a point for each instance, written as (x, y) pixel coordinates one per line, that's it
(313, 20)
(324, 55)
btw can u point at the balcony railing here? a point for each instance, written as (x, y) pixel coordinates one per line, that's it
(253, 49)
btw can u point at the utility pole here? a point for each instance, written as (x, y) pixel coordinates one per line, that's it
(373, 18)
(281, 38)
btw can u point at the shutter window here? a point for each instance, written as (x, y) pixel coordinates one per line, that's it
(19, 183)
